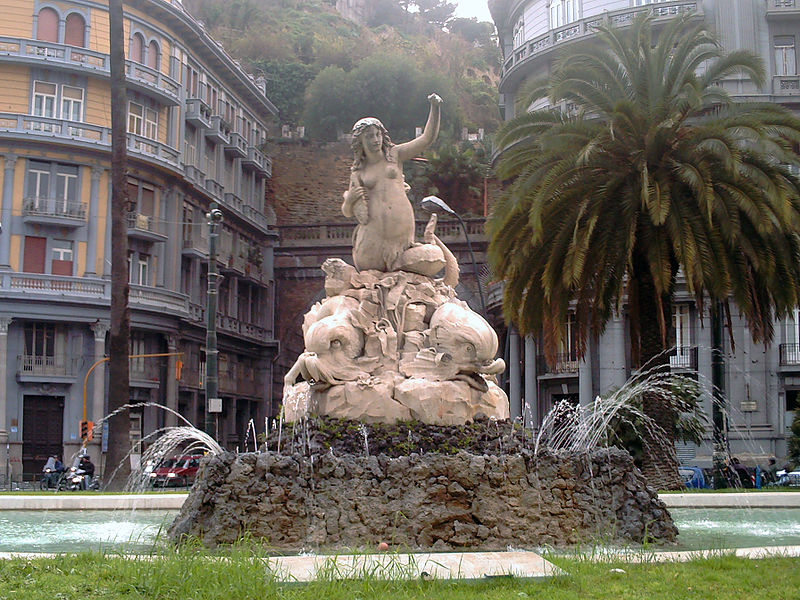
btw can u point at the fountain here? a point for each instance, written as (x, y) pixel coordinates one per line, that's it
(398, 431)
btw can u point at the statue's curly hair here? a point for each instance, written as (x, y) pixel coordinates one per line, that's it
(358, 149)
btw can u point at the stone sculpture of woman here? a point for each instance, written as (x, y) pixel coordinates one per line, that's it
(384, 236)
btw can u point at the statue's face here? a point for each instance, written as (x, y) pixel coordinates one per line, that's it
(372, 139)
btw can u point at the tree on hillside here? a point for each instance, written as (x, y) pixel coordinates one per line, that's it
(650, 168)
(388, 87)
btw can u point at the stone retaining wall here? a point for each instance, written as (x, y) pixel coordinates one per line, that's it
(422, 501)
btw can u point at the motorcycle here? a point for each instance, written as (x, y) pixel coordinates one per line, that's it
(53, 480)
(75, 480)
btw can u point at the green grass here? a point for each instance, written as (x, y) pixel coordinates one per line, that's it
(193, 575)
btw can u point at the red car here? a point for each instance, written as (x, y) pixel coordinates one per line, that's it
(176, 471)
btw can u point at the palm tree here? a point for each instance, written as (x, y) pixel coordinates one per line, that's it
(648, 168)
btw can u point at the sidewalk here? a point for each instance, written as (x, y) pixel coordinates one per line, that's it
(67, 501)
(732, 500)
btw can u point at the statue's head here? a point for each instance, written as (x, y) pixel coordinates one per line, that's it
(357, 145)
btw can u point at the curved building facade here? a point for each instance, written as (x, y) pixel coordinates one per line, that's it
(762, 383)
(196, 128)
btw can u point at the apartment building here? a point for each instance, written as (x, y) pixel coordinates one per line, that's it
(197, 123)
(761, 382)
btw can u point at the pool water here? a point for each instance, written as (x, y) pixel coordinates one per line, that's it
(145, 530)
(711, 528)
(79, 530)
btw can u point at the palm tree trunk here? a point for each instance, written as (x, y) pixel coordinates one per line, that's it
(659, 461)
(117, 464)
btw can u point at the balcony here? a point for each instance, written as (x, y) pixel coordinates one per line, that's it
(214, 188)
(780, 9)
(259, 219)
(237, 147)
(786, 85)
(512, 73)
(233, 202)
(230, 325)
(195, 244)
(683, 358)
(218, 131)
(257, 161)
(55, 287)
(567, 363)
(46, 368)
(53, 211)
(87, 62)
(153, 151)
(789, 355)
(159, 300)
(144, 227)
(198, 113)
(18, 126)
(195, 175)
(151, 82)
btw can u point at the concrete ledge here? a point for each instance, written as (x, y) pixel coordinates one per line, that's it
(66, 501)
(732, 500)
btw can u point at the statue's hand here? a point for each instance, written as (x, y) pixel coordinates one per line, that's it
(434, 99)
(361, 211)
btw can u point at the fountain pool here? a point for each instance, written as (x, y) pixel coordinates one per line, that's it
(142, 530)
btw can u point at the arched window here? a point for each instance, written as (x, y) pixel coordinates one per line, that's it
(137, 48)
(74, 28)
(47, 25)
(153, 55)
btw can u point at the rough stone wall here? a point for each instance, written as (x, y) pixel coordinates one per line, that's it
(308, 180)
(464, 501)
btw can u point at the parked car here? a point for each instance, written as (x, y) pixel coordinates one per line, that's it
(176, 471)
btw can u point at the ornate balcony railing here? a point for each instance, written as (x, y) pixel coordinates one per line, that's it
(566, 363)
(789, 354)
(198, 113)
(71, 132)
(56, 286)
(35, 365)
(341, 234)
(151, 298)
(782, 8)
(786, 85)
(586, 27)
(53, 207)
(228, 324)
(257, 160)
(683, 357)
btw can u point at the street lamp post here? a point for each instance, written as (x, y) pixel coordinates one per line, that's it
(435, 204)
(213, 402)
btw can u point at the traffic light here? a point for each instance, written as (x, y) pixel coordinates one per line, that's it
(86, 430)
(178, 367)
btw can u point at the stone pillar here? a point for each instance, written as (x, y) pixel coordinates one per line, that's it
(97, 412)
(585, 395)
(611, 354)
(10, 162)
(171, 420)
(91, 234)
(4, 323)
(531, 408)
(514, 395)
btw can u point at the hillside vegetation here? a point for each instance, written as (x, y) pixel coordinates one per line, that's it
(323, 72)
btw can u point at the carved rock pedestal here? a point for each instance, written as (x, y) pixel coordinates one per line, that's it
(384, 347)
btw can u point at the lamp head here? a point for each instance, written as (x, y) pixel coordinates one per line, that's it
(435, 204)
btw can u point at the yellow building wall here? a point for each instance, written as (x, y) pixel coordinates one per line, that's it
(16, 90)
(98, 102)
(98, 37)
(102, 218)
(16, 21)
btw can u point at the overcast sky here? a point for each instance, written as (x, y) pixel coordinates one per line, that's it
(473, 8)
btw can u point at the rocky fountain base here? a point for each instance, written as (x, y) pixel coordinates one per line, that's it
(494, 495)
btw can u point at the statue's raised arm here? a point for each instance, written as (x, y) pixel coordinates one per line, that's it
(416, 146)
